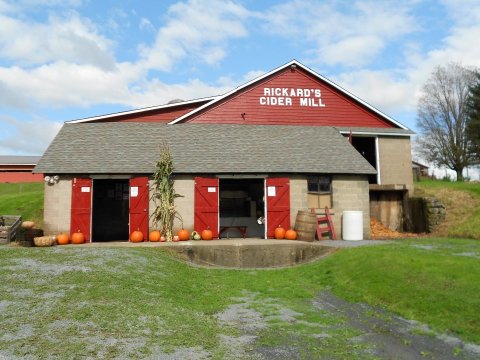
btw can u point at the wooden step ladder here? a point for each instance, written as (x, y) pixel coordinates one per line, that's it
(325, 225)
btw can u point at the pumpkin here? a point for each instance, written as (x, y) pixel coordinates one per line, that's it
(163, 239)
(176, 238)
(280, 232)
(183, 235)
(207, 234)
(154, 236)
(28, 224)
(62, 239)
(291, 234)
(136, 236)
(78, 238)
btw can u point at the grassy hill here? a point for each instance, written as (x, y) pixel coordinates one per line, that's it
(25, 199)
(462, 201)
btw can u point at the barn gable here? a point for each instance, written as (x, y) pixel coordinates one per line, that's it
(290, 95)
(160, 114)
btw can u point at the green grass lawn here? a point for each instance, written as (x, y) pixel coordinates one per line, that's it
(462, 201)
(25, 199)
(108, 302)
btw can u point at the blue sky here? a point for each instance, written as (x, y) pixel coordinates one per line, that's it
(67, 59)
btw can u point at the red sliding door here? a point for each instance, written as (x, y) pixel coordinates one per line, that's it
(277, 193)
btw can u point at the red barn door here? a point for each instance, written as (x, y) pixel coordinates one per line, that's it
(277, 193)
(81, 213)
(139, 196)
(206, 205)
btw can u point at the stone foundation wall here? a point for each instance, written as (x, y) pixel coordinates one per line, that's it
(57, 206)
(185, 186)
(434, 213)
(350, 192)
(425, 214)
(298, 197)
(395, 161)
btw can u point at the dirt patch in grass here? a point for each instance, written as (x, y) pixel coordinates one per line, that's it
(393, 336)
(335, 329)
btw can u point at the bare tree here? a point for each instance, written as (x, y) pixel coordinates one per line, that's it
(442, 118)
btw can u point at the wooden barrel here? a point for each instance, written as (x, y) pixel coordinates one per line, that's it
(306, 225)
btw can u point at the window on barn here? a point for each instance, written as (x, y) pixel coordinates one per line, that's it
(319, 191)
(319, 184)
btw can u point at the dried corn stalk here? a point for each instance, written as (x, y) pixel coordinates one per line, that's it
(163, 193)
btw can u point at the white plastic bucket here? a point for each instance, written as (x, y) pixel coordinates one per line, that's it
(352, 225)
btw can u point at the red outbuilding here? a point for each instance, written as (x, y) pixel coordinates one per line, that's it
(15, 169)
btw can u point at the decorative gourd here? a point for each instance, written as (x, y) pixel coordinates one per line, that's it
(154, 236)
(176, 238)
(280, 232)
(163, 239)
(195, 236)
(62, 239)
(291, 234)
(78, 238)
(207, 234)
(136, 236)
(28, 224)
(183, 235)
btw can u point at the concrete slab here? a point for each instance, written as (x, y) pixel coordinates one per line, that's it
(231, 242)
(247, 253)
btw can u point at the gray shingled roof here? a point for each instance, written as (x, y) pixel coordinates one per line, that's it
(126, 148)
(389, 131)
(18, 160)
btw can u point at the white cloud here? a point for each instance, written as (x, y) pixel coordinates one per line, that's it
(381, 89)
(197, 31)
(349, 35)
(68, 38)
(64, 84)
(146, 24)
(27, 137)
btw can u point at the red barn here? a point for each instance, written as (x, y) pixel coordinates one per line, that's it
(287, 141)
(14, 169)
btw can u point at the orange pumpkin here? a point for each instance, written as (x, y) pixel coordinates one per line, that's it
(207, 234)
(78, 238)
(280, 232)
(136, 236)
(291, 234)
(154, 236)
(62, 239)
(183, 235)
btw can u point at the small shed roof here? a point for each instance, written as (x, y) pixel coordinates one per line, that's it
(126, 148)
(416, 164)
(18, 160)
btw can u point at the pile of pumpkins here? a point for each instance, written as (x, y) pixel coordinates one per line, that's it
(76, 238)
(182, 235)
(281, 233)
(137, 236)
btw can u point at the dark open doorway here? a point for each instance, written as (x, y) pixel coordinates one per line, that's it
(367, 147)
(110, 210)
(242, 207)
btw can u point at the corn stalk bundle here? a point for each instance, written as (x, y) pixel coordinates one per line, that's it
(163, 194)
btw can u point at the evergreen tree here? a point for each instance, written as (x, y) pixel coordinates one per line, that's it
(473, 122)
